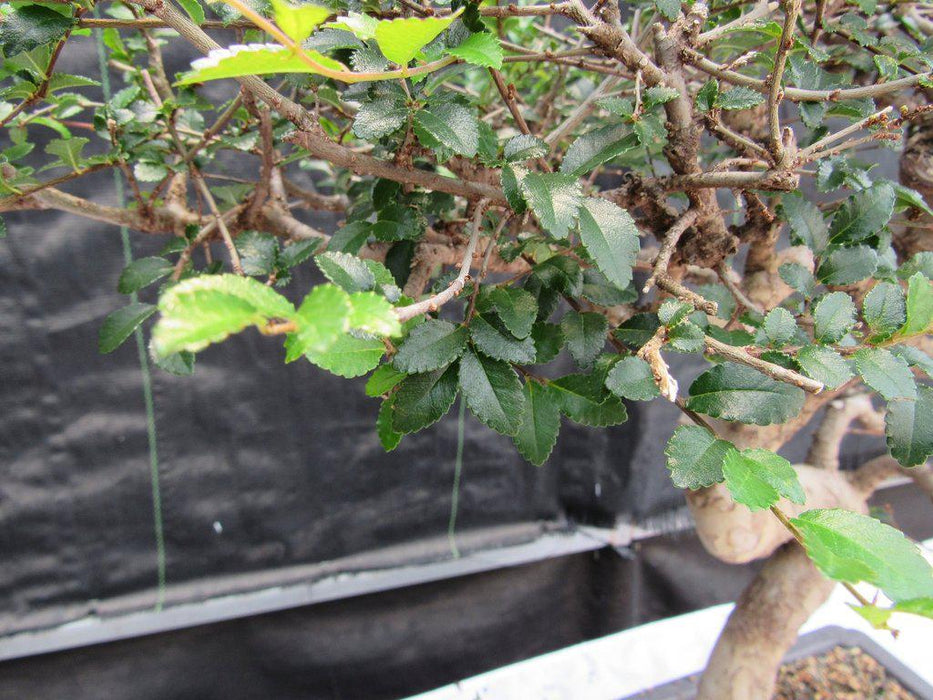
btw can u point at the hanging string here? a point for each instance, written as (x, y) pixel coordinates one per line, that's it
(455, 494)
(141, 351)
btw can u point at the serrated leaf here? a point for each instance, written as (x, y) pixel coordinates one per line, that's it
(383, 380)
(68, 151)
(919, 262)
(348, 356)
(669, 8)
(884, 309)
(203, 310)
(540, 424)
(847, 265)
(909, 427)
(584, 399)
(511, 177)
(451, 124)
(432, 345)
(31, 26)
(695, 456)
(807, 225)
(597, 147)
(321, 319)
(517, 308)
(119, 325)
(637, 330)
(631, 378)
(194, 10)
(525, 147)
(401, 40)
(482, 49)
(824, 365)
(560, 273)
(554, 199)
(738, 393)
(778, 328)
(253, 59)
(258, 251)
(298, 21)
(919, 307)
(371, 313)
(346, 271)
(380, 117)
(915, 357)
(548, 340)
(362, 26)
(878, 617)
(141, 273)
(423, 399)
(739, 98)
(886, 373)
(388, 437)
(707, 96)
(492, 391)
(599, 290)
(585, 335)
(147, 171)
(610, 237)
(499, 344)
(862, 215)
(833, 317)
(759, 478)
(851, 547)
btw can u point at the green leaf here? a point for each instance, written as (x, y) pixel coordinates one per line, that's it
(180, 363)
(360, 25)
(735, 392)
(401, 40)
(119, 325)
(371, 313)
(851, 547)
(609, 235)
(432, 345)
(492, 391)
(511, 177)
(915, 357)
(348, 356)
(695, 456)
(146, 171)
(31, 26)
(824, 365)
(919, 306)
(322, 318)
(884, 310)
(583, 398)
(380, 117)
(886, 373)
(387, 434)
(862, 215)
(909, 427)
(346, 271)
(258, 251)
(141, 273)
(707, 96)
(739, 98)
(585, 334)
(482, 49)
(637, 330)
(878, 617)
(498, 343)
(298, 21)
(540, 424)
(847, 265)
(669, 8)
(253, 59)
(68, 151)
(778, 328)
(554, 199)
(833, 317)
(548, 340)
(525, 147)
(760, 478)
(203, 310)
(194, 10)
(383, 380)
(631, 378)
(597, 147)
(807, 225)
(423, 399)
(451, 124)
(517, 308)
(919, 262)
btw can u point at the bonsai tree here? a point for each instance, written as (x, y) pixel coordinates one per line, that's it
(620, 181)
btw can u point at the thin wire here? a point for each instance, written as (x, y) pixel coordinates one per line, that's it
(143, 358)
(455, 493)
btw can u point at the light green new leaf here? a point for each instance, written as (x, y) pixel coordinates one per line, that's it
(423, 399)
(401, 40)
(833, 317)
(919, 306)
(878, 617)
(824, 365)
(298, 21)
(851, 547)
(695, 456)
(908, 427)
(383, 380)
(360, 25)
(609, 235)
(735, 392)
(631, 378)
(371, 313)
(540, 424)
(253, 59)
(119, 325)
(492, 391)
(451, 124)
(194, 10)
(203, 310)
(322, 318)
(482, 49)
(432, 345)
(554, 199)
(886, 373)
(348, 356)
(760, 478)
(141, 273)
(597, 147)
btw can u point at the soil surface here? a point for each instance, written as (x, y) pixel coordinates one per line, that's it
(843, 673)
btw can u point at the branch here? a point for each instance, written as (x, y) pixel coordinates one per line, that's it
(782, 374)
(668, 246)
(786, 42)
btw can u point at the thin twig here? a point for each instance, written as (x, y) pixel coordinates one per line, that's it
(668, 246)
